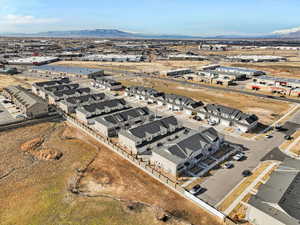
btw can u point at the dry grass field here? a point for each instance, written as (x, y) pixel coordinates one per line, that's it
(37, 192)
(147, 67)
(7, 80)
(266, 109)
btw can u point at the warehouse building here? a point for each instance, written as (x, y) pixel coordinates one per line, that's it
(88, 113)
(280, 85)
(113, 58)
(108, 84)
(213, 77)
(239, 72)
(63, 71)
(148, 136)
(111, 124)
(187, 57)
(31, 105)
(8, 70)
(176, 72)
(188, 150)
(277, 202)
(227, 116)
(70, 104)
(256, 58)
(35, 60)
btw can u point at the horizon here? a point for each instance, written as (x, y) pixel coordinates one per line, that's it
(190, 18)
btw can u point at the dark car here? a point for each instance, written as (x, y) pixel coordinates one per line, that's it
(196, 189)
(246, 173)
(288, 137)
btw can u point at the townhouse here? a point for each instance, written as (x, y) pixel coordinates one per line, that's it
(31, 105)
(178, 103)
(88, 113)
(227, 116)
(44, 92)
(36, 87)
(57, 96)
(70, 104)
(188, 150)
(143, 93)
(110, 125)
(108, 84)
(148, 136)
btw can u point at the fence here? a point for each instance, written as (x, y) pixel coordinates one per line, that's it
(144, 166)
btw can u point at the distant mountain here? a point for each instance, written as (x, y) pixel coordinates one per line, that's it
(114, 33)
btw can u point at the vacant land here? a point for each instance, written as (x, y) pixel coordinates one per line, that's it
(266, 109)
(7, 80)
(37, 192)
(147, 67)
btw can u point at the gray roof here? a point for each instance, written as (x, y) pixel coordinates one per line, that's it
(85, 99)
(184, 147)
(24, 96)
(280, 79)
(107, 82)
(53, 82)
(71, 92)
(280, 196)
(126, 115)
(230, 114)
(55, 88)
(238, 69)
(143, 91)
(67, 69)
(181, 101)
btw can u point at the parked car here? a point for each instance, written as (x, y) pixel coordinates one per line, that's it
(268, 136)
(228, 165)
(212, 123)
(238, 157)
(288, 137)
(246, 173)
(196, 189)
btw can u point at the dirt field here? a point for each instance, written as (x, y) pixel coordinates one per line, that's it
(266, 109)
(7, 80)
(37, 192)
(136, 67)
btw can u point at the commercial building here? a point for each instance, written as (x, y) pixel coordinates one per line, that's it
(62, 71)
(69, 105)
(256, 58)
(113, 58)
(187, 57)
(148, 136)
(277, 202)
(108, 84)
(284, 86)
(111, 124)
(176, 72)
(185, 152)
(239, 72)
(36, 60)
(8, 70)
(31, 105)
(213, 77)
(88, 113)
(227, 116)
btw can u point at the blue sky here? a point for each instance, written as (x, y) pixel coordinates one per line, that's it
(191, 17)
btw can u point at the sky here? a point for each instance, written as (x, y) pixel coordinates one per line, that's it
(186, 17)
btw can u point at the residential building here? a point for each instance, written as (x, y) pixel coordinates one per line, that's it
(144, 138)
(185, 152)
(60, 95)
(88, 113)
(108, 84)
(277, 202)
(31, 105)
(45, 91)
(110, 125)
(70, 104)
(143, 93)
(227, 116)
(36, 87)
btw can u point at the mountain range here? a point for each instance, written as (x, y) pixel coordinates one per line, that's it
(114, 33)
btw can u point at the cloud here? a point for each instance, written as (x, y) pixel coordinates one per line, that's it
(12, 19)
(287, 31)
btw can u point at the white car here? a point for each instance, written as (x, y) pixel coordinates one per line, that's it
(238, 157)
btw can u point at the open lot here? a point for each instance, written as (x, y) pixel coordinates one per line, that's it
(7, 80)
(266, 109)
(147, 67)
(37, 191)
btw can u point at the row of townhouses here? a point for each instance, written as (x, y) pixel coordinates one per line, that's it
(212, 112)
(108, 84)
